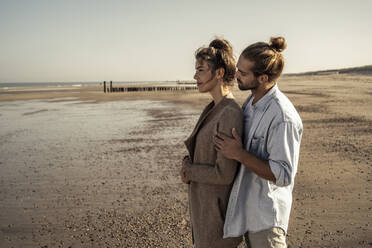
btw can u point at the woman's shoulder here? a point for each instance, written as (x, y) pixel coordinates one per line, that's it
(232, 113)
(232, 107)
(231, 117)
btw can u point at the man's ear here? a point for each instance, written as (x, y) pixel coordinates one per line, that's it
(263, 79)
(220, 72)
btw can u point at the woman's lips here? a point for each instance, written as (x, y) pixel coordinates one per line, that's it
(198, 84)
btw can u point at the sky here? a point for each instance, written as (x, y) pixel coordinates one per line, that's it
(155, 40)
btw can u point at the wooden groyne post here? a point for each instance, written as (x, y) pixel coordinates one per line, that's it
(151, 88)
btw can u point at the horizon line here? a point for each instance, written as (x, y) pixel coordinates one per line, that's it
(179, 80)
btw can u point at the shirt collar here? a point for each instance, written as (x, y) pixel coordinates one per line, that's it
(260, 105)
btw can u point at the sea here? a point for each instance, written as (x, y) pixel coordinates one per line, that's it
(60, 84)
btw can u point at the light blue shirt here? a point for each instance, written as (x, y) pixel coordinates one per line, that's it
(274, 135)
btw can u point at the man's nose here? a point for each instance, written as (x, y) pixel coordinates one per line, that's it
(195, 76)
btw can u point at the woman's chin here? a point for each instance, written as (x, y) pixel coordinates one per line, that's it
(200, 88)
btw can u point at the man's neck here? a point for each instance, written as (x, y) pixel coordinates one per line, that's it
(261, 92)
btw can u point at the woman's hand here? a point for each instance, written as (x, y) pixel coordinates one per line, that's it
(185, 162)
(183, 176)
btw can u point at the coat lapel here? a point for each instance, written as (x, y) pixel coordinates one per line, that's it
(206, 115)
(190, 141)
(202, 117)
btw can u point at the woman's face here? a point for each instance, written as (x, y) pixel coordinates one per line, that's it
(204, 76)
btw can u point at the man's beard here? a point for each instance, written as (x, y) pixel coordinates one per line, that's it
(251, 87)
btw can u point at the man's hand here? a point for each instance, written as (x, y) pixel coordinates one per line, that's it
(230, 148)
(233, 149)
(185, 162)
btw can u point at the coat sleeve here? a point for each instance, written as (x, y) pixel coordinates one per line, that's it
(224, 170)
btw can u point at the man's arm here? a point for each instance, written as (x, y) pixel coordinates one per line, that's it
(283, 147)
(233, 149)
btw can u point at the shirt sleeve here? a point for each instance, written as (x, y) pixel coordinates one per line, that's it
(224, 169)
(284, 147)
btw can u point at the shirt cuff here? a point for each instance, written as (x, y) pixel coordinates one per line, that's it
(278, 171)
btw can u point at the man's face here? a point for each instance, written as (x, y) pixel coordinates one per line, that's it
(244, 75)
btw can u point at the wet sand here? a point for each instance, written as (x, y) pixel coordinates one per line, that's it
(80, 168)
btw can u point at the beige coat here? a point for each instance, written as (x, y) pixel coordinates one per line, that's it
(211, 174)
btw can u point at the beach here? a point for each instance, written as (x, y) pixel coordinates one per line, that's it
(84, 168)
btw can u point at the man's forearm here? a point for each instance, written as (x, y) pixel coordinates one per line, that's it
(258, 166)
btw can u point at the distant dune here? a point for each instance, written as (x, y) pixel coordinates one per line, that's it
(362, 70)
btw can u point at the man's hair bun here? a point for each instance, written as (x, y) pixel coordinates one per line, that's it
(278, 43)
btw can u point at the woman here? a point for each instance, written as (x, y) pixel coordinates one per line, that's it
(210, 175)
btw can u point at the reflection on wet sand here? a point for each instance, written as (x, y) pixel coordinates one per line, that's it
(74, 173)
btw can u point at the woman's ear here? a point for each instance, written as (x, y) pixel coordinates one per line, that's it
(220, 72)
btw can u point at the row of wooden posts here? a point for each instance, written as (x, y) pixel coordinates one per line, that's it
(142, 88)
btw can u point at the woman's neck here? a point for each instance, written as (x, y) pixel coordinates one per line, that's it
(219, 92)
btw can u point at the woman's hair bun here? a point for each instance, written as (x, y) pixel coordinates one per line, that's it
(221, 44)
(278, 43)
(219, 54)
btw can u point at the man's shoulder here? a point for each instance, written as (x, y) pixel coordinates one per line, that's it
(283, 109)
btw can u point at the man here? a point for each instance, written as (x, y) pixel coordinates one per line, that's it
(261, 197)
